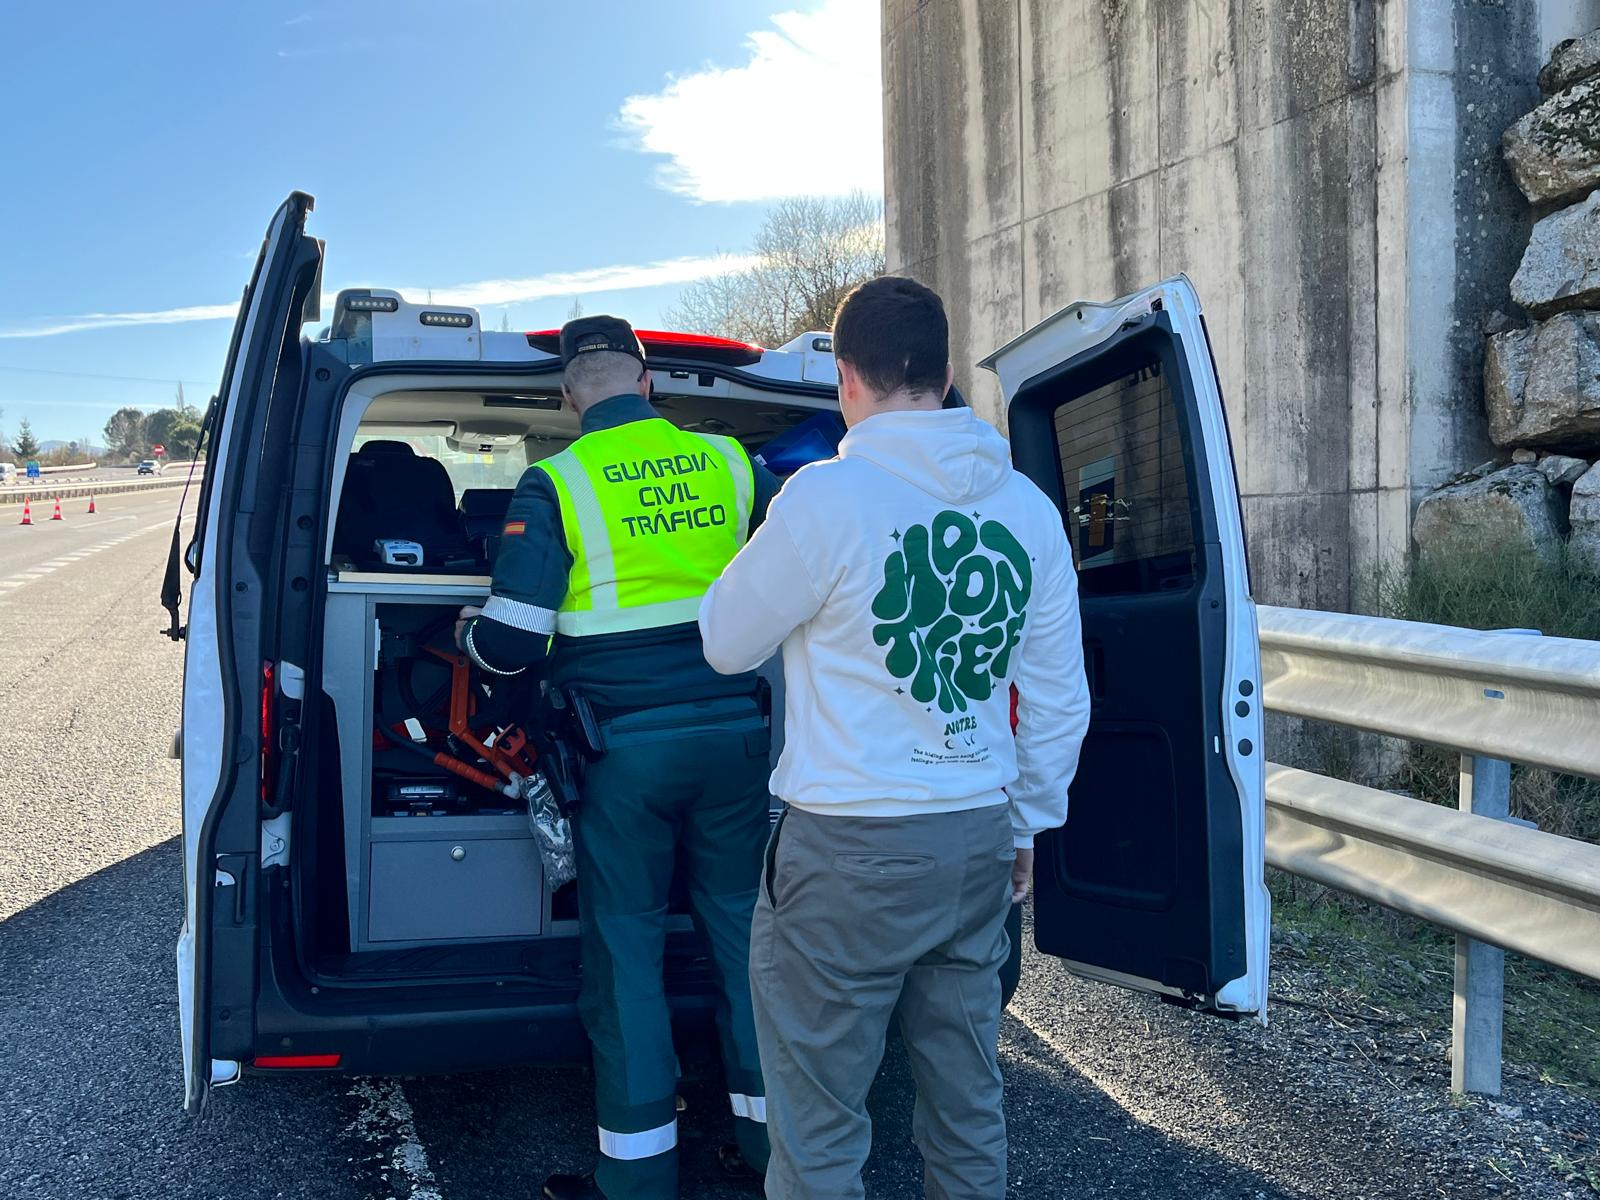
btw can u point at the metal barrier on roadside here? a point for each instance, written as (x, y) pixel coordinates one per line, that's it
(175, 477)
(1497, 698)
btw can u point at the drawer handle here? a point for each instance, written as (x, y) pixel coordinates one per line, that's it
(457, 853)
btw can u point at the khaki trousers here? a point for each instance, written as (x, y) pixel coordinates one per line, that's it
(861, 920)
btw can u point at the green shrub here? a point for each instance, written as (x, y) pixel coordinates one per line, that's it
(1497, 588)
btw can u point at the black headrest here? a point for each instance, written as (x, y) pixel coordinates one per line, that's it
(485, 502)
(386, 446)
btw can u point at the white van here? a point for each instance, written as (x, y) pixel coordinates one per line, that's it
(352, 908)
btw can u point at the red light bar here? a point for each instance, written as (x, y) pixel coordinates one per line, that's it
(296, 1061)
(667, 344)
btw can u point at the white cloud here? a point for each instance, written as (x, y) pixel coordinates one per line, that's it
(477, 295)
(582, 283)
(76, 324)
(803, 117)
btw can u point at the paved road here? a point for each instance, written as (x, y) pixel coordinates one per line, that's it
(1108, 1095)
(29, 552)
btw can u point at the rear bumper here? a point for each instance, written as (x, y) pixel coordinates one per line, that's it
(445, 1028)
(383, 1038)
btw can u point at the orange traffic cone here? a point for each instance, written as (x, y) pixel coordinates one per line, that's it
(91, 503)
(27, 511)
(57, 515)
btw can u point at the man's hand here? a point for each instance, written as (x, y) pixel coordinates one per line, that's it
(466, 614)
(1021, 873)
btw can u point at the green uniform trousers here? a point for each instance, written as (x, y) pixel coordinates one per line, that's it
(684, 788)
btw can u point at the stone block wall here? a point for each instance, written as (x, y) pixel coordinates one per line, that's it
(1327, 172)
(1542, 369)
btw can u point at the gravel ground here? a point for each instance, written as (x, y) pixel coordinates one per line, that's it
(1108, 1094)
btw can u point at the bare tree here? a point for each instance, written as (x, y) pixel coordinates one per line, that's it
(810, 252)
(576, 310)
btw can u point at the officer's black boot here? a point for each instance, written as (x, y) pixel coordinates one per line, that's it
(736, 1169)
(572, 1187)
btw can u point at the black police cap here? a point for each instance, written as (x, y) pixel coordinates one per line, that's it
(588, 334)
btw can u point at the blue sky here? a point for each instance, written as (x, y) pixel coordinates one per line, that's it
(510, 153)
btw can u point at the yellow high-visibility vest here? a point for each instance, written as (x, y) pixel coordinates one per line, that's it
(651, 514)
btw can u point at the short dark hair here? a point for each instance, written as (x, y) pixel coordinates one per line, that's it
(894, 332)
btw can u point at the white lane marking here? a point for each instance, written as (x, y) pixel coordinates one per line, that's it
(39, 572)
(388, 1124)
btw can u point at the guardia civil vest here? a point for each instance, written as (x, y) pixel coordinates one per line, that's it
(651, 514)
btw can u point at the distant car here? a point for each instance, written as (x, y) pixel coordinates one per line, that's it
(151, 466)
(8, 473)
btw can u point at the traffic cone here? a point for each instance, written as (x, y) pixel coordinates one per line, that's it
(27, 511)
(57, 515)
(91, 503)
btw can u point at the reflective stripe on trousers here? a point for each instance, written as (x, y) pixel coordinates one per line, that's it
(627, 1147)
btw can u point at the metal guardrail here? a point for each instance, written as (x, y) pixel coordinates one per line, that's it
(1500, 885)
(1514, 887)
(43, 490)
(1534, 701)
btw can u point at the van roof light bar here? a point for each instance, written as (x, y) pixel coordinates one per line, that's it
(660, 343)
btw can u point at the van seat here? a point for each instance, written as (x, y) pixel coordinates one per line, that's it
(483, 516)
(391, 492)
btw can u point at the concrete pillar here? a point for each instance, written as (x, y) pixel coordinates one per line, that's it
(1327, 174)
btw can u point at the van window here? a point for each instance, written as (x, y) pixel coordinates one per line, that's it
(466, 471)
(1126, 486)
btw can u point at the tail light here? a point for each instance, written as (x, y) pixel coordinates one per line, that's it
(269, 713)
(296, 1062)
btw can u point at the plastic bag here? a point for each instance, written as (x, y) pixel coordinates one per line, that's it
(551, 830)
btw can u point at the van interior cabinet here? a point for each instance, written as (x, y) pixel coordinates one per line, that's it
(429, 858)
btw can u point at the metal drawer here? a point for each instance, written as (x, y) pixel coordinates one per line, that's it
(455, 889)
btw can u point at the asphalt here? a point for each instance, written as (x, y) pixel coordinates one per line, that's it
(1108, 1094)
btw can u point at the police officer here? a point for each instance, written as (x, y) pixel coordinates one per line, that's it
(609, 546)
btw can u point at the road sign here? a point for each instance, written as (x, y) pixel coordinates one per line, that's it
(33, 470)
(158, 449)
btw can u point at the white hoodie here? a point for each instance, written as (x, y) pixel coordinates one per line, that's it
(911, 581)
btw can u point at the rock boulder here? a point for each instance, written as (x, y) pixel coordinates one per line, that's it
(1515, 508)
(1574, 59)
(1554, 151)
(1562, 469)
(1585, 516)
(1542, 385)
(1560, 270)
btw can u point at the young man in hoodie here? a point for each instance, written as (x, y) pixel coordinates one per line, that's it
(911, 581)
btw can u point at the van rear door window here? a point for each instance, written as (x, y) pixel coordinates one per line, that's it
(1126, 487)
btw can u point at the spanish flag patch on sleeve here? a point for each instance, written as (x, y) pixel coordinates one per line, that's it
(515, 528)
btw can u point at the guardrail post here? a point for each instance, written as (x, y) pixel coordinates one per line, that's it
(1478, 1020)
(1477, 1027)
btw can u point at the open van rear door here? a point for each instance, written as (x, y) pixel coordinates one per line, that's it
(1156, 881)
(224, 707)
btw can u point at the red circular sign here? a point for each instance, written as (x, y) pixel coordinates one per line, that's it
(158, 449)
